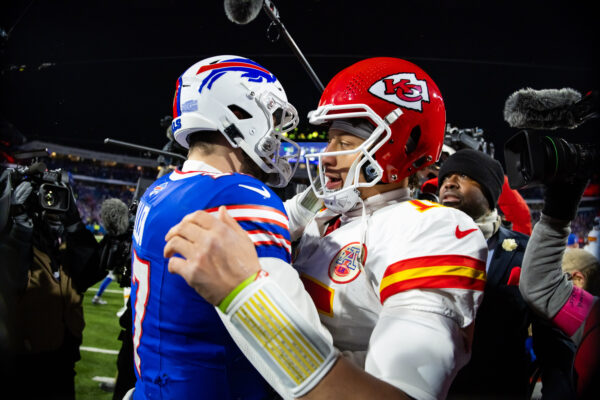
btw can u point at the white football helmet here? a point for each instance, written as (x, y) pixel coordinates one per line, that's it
(246, 103)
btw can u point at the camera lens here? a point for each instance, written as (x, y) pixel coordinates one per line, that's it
(49, 198)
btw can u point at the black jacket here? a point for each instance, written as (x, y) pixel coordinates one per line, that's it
(500, 363)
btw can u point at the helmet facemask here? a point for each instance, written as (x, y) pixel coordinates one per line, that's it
(265, 150)
(344, 199)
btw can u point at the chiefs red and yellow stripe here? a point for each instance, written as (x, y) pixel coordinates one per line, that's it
(433, 272)
(321, 294)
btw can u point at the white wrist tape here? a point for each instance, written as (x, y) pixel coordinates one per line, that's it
(310, 201)
(293, 351)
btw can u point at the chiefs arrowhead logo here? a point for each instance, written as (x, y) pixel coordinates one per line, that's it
(403, 89)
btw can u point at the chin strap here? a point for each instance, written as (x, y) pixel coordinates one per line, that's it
(344, 199)
(364, 221)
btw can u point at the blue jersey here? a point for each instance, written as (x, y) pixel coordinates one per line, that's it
(181, 348)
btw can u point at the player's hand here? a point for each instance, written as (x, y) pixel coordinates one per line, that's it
(217, 253)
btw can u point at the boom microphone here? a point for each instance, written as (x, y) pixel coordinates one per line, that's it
(546, 109)
(115, 216)
(242, 11)
(36, 168)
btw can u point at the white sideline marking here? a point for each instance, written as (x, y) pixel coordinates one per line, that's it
(97, 350)
(105, 379)
(106, 290)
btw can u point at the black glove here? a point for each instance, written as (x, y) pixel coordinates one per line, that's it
(562, 197)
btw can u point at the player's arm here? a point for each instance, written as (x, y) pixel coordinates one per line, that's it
(346, 381)
(418, 351)
(430, 292)
(220, 263)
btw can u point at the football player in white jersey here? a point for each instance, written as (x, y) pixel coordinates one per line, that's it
(396, 281)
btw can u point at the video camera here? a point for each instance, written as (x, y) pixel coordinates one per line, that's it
(534, 157)
(51, 190)
(467, 138)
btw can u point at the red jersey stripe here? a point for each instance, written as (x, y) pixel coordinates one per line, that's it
(248, 207)
(321, 294)
(430, 261)
(263, 220)
(432, 282)
(268, 233)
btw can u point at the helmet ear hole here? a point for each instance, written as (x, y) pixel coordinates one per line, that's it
(413, 140)
(239, 112)
(369, 171)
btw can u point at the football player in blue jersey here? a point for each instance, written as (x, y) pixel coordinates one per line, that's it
(231, 113)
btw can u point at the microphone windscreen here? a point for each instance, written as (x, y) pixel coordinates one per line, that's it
(242, 11)
(115, 216)
(541, 109)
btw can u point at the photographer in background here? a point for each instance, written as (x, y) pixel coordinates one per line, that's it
(50, 260)
(563, 168)
(552, 293)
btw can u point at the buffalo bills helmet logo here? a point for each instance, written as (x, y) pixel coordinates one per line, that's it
(252, 71)
(402, 89)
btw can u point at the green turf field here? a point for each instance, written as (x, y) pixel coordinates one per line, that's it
(100, 343)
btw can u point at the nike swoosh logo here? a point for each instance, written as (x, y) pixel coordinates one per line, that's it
(461, 234)
(263, 192)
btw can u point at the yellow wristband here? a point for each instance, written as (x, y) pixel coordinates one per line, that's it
(229, 298)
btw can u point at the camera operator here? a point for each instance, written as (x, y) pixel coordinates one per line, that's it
(564, 169)
(51, 260)
(552, 293)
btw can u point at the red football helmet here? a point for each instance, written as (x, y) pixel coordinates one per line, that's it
(406, 109)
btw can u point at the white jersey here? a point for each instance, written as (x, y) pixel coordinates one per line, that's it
(406, 311)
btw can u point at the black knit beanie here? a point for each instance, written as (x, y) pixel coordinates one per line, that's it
(478, 166)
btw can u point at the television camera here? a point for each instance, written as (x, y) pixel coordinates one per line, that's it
(534, 157)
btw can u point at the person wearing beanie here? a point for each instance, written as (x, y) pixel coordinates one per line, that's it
(472, 181)
(479, 167)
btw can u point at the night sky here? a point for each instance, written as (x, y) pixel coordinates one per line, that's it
(77, 72)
